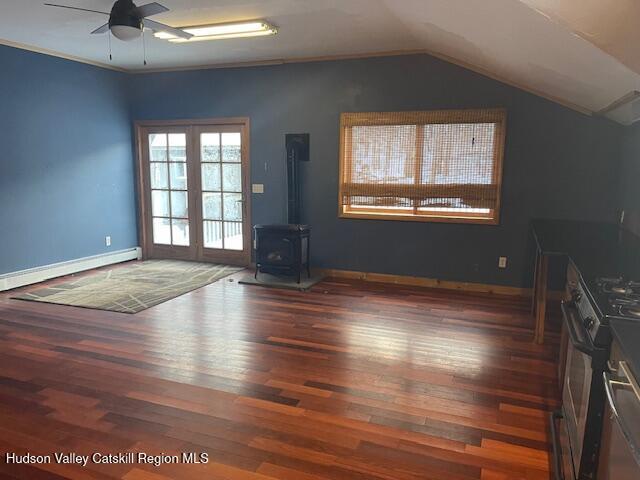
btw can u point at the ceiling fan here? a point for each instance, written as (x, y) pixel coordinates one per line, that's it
(127, 21)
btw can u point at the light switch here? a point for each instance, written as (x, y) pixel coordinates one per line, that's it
(257, 188)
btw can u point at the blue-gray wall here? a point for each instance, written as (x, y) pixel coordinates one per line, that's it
(558, 163)
(630, 171)
(67, 169)
(66, 165)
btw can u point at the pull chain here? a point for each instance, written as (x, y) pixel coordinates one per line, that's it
(109, 36)
(144, 48)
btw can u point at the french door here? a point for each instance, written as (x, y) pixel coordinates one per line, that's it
(194, 184)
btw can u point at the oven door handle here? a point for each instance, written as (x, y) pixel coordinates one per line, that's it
(584, 346)
(615, 413)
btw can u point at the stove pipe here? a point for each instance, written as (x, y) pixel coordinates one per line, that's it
(297, 145)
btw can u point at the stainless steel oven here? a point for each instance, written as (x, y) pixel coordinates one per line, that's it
(577, 384)
(620, 451)
(576, 429)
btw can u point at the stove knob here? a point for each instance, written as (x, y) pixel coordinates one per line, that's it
(589, 322)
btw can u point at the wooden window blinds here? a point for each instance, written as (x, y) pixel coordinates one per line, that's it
(443, 165)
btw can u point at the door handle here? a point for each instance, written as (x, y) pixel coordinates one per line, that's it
(585, 346)
(624, 367)
(615, 412)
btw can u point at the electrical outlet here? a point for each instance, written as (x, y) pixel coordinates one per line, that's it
(257, 188)
(107, 241)
(502, 262)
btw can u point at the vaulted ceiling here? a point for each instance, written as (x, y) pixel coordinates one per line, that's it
(582, 53)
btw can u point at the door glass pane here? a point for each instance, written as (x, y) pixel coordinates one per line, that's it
(160, 203)
(178, 176)
(231, 177)
(211, 177)
(177, 147)
(232, 206)
(158, 147)
(212, 234)
(161, 231)
(210, 147)
(221, 156)
(212, 206)
(179, 206)
(159, 178)
(180, 231)
(169, 196)
(231, 147)
(232, 236)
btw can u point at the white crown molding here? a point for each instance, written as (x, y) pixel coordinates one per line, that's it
(53, 53)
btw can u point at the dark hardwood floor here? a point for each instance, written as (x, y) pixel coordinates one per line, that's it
(352, 380)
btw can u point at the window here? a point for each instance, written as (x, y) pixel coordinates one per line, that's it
(422, 166)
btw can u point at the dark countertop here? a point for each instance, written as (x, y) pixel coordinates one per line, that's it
(627, 335)
(559, 237)
(597, 250)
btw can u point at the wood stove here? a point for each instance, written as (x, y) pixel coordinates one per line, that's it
(282, 249)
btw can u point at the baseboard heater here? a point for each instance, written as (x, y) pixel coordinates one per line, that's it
(9, 281)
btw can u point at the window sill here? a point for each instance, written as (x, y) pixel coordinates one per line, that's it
(476, 220)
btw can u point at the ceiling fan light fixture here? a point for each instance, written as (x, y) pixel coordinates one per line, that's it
(125, 32)
(221, 31)
(124, 21)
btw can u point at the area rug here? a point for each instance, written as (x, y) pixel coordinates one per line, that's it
(290, 283)
(131, 288)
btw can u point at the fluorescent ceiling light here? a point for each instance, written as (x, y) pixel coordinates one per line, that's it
(221, 31)
(164, 35)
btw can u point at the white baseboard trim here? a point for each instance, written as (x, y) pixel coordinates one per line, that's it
(9, 281)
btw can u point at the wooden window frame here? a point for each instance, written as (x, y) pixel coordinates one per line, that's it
(421, 118)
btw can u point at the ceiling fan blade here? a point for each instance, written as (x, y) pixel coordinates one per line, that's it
(103, 29)
(151, 9)
(75, 8)
(161, 27)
